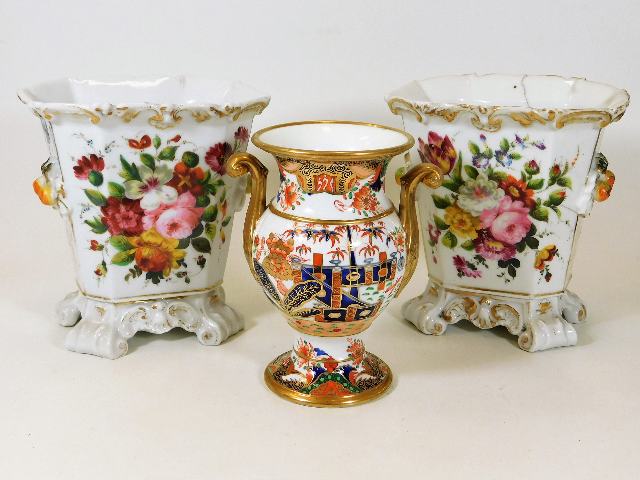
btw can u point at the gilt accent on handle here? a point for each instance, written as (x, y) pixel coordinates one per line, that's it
(431, 176)
(240, 164)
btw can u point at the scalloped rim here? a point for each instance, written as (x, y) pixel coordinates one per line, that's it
(525, 115)
(103, 109)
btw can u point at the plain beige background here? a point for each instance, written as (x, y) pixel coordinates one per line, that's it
(469, 404)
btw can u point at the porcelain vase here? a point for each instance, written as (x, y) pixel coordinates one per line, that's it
(521, 167)
(330, 251)
(137, 169)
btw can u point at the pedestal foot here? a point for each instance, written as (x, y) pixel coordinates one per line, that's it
(104, 327)
(310, 376)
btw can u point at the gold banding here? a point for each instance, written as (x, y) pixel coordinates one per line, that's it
(458, 289)
(527, 118)
(157, 296)
(489, 118)
(240, 164)
(431, 176)
(332, 155)
(398, 104)
(326, 400)
(310, 326)
(336, 178)
(585, 116)
(321, 221)
(162, 117)
(502, 312)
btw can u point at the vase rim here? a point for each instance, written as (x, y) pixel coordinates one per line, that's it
(550, 96)
(375, 140)
(167, 94)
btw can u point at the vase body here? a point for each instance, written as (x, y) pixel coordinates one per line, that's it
(330, 252)
(137, 170)
(521, 169)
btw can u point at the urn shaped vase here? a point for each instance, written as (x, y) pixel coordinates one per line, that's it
(521, 166)
(137, 170)
(330, 251)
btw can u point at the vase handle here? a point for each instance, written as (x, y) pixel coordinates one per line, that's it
(240, 164)
(431, 176)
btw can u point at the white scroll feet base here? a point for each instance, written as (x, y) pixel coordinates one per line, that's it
(103, 328)
(540, 323)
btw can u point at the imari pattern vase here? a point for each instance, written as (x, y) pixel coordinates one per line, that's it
(330, 251)
(521, 167)
(138, 172)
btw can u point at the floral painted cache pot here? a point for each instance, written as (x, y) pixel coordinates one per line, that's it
(330, 251)
(138, 171)
(521, 169)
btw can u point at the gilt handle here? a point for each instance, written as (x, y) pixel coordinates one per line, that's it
(240, 164)
(431, 176)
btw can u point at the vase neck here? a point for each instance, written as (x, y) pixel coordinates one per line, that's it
(340, 189)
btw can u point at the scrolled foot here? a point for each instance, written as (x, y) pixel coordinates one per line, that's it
(572, 307)
(219, 321)
(97, 332)
(206, 314)
(104, 328)
(68, 309)
(425, 311)
(548, 332)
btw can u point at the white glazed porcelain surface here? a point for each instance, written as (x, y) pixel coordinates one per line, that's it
(138, 171)
(516, 91)
(70, 94)
(163, 136)
(519, 157)
(320, 137)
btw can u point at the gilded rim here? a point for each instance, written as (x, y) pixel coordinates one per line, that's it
(332, 155)
(320, 221)
(489, 117)
(326, 401)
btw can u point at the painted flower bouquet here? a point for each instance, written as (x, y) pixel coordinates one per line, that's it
(490, 215)
(168, 199)
(522, 169)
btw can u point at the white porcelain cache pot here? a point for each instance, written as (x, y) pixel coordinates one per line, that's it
(522, 168)
(138, 171)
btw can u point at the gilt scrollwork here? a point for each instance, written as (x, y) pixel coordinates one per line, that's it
(160, 116)
(490, 118)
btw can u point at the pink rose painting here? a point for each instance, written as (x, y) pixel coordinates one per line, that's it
(176, 220)
(493, 200)
(508, 222)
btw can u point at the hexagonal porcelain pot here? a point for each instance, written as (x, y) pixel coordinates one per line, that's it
(521, 165)
(137, 169)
